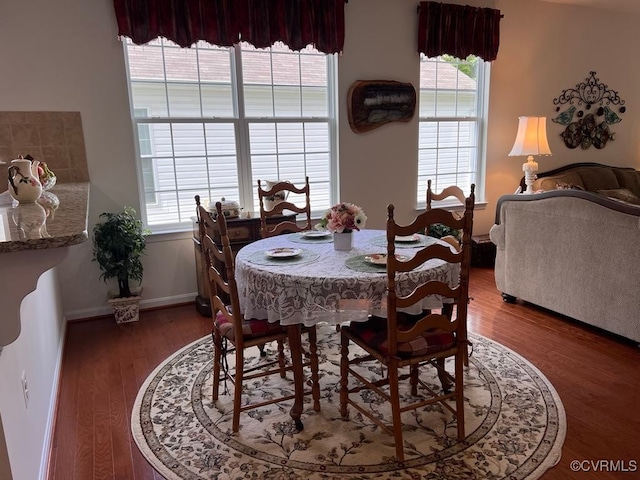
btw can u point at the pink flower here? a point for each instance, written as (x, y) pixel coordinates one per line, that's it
(343, 217)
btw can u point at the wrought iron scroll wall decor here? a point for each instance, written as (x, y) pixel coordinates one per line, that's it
(588, 129)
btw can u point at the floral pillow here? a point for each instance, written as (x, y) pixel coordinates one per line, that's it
(567, 186)
(622, 194)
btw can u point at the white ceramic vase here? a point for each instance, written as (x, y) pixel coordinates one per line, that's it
(343, 241)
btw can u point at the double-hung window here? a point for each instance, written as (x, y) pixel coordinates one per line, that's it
(452, 123)
(213, 120)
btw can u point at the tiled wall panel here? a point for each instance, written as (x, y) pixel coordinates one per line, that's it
(53, 137)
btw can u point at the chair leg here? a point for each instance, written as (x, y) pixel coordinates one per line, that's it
(315, 380)
(460, 396)
(237, 391)
(262, 352)
(445, 381)
(395, 411)
(447, 309)
(281, 359)
(217, 356)
(414, 380)
(344, 375)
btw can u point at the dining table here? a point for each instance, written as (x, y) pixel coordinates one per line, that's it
(301, 279)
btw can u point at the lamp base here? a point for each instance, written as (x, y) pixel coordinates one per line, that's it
(529, 168)
(529, 178)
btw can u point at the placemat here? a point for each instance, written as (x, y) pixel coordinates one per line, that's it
(422, 242)
(307, 256)
(298, 238)
(359, 264)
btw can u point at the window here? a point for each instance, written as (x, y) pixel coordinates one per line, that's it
(213, 120)
(452, 123)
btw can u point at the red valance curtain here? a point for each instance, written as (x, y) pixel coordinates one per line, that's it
(458, 30)
(296, 23)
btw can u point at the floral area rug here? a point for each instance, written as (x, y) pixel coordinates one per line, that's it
(514, 420)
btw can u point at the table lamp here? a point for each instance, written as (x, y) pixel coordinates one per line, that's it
(531, 140)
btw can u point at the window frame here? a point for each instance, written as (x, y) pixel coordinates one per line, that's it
(480, 120)
(247, 191)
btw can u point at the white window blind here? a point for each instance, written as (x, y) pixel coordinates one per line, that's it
(452, 123)
(212, 121)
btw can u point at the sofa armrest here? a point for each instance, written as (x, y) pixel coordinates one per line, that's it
(496, 235)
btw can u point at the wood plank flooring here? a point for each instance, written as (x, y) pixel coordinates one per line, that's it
(596, 375)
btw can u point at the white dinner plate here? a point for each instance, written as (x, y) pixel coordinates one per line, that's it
(407, 238)
(381, 258)
(283, 252)
(315, 234)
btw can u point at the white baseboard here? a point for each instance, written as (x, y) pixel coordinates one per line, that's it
(144, 304)
(53, 408)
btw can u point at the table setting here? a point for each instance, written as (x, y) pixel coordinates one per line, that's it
(283, 280)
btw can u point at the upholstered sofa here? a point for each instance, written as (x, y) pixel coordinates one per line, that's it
(574, 247)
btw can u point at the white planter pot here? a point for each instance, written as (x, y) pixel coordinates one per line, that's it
(343, 241)
(126, 309)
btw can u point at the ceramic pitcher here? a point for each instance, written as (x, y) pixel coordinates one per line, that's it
(277, 197)
(24, 185)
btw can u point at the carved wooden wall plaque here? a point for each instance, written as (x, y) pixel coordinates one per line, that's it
(373, 103)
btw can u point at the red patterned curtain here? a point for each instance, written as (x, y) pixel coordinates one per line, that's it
(458, 30)
(296, 23)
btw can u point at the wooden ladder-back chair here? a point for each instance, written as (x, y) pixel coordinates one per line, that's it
(286, 225)
(457, 193)
(412, 341)
(229, 325)
(448, 192)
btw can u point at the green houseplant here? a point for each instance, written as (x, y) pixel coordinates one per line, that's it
(438, 230)
(118, 245)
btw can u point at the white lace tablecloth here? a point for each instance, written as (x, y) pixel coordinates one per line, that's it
(326, 290)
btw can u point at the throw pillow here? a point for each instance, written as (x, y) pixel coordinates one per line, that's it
(623, 194)
(629, 179)
(567, 186)
(598, 178)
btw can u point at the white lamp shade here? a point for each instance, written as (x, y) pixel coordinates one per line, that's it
(531, 138)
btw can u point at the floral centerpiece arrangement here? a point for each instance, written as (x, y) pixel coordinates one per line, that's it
(342, 218)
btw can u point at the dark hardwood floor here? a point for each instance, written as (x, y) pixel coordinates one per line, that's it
(596, 375)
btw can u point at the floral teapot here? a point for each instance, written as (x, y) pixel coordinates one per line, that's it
(24, 184)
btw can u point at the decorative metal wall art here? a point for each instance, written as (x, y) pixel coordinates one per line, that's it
(371, 104)
(588, 129)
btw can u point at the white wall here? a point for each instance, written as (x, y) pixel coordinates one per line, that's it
(37, 352)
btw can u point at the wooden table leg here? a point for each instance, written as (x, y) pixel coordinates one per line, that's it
(295, 344)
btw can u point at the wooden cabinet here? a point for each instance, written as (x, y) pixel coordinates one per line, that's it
(242, 231)
(483, 251)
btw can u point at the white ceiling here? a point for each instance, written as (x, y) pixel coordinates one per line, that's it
(631, 6)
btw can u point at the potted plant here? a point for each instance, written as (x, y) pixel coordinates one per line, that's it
(438, 230)
(118, 245)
